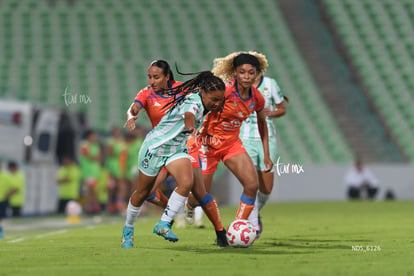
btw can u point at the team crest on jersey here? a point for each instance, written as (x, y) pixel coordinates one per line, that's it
(229, 83)
(145, 163)
(251, 106)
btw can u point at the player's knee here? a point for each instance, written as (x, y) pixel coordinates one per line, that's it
(185, 182)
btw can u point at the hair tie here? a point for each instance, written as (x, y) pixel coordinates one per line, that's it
(246, 59)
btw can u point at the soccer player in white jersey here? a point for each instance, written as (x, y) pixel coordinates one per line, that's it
(249, 133)
(165, 146)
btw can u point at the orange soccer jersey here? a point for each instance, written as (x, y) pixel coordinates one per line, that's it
(222, 128)
(154, 102)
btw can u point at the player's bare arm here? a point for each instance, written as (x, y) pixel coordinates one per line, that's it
(262, 125)
(132, 115)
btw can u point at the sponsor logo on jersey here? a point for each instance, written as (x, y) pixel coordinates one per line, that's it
(233, 125)
(157, 104)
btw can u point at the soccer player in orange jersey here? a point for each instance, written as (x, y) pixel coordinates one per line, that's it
(154, 99)
(219, 137)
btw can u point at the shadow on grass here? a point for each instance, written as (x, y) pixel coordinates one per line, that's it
(257, 250)
(293, 246)
(326, 240)
(302, 243)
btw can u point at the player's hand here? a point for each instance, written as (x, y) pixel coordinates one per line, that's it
(195, 132)
(130, 123)
(268, 164)
(267, 112)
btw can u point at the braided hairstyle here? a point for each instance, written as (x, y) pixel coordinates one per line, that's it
(205, 80)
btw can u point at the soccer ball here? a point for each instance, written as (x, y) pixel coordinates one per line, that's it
(73, 208)
(241, 233)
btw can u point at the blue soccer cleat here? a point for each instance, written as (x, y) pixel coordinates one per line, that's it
(163, 229)
(1, 233)
(127, 237)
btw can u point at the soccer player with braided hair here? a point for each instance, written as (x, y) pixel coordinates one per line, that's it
(165, 145)
(219, 137)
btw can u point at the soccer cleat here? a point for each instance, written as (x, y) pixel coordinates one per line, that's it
(257, 235)
(1, 233)
(189, 213)
(260, 225)
(127, 237)
(163, 229)
(260, 228)
(221, 238)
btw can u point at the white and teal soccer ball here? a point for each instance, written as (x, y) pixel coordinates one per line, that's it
(241, 233)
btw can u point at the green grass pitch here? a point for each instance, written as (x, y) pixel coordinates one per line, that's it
(320, 238)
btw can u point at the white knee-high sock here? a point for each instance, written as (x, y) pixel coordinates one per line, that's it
(132, 214)
(254, 216)
(198, 213)
(262, 199)
(175, 203)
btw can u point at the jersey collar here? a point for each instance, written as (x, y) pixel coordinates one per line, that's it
(237, 90)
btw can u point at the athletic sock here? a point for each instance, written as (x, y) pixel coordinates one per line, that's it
(198, 213)
(254, 216)
(245, 207)
(158, 198)
(262, 199)
(132, 214)
(175, 203)
(210, 207)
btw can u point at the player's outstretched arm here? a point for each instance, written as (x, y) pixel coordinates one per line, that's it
(132, 115)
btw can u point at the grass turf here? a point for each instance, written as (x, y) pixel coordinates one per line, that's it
(321, 238)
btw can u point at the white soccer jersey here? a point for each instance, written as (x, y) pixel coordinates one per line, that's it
(272, 94)
(170, 135)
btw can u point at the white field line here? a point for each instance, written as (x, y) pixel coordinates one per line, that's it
(16, 240)
(52, 233)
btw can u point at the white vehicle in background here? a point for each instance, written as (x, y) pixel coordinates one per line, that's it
(37, 138)
(15, 130)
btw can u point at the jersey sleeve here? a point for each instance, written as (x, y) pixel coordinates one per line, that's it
(275, 92)
(141, 97)
(193, 105)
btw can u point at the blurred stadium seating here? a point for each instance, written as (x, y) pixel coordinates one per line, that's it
(101, 48)
(378, 36)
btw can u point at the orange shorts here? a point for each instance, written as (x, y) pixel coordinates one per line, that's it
(211, 157)
(193, 152)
